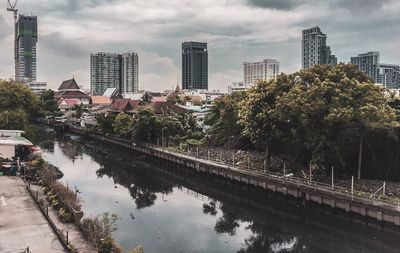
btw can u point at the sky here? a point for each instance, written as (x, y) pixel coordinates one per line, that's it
(235, 30)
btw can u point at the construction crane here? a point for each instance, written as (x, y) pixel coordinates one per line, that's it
(13, 8)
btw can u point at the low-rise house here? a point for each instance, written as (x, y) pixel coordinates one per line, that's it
(67, 104)
(12, 144)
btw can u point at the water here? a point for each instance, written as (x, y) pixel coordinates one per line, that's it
(167, 209)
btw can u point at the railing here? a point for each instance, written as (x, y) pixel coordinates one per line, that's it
(263, 172)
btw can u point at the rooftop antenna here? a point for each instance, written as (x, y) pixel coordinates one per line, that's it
(13, 8)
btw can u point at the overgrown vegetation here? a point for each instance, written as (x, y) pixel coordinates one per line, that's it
(330, 116)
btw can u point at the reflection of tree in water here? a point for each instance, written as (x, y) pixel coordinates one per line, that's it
(142, 185)
(270, 237)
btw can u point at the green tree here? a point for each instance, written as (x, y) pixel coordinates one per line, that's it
(123, 125)
(48, 102)
(145, 125)
(224, 121)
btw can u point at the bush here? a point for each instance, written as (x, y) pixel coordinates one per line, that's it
(65, 216)
(109, 245)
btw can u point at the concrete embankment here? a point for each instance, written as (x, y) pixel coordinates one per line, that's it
(361, 205)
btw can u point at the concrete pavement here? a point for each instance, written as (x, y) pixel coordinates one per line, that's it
(21, 222)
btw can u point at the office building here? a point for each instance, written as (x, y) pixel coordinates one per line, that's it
(25, 50)
(37, 87)
(386, 74)
(111, 70)
(264, 71)
(389, 75)
(130, 73)
(194, 66)
(368, 63)
(314, 49)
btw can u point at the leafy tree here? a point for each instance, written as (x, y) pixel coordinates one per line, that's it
(123, 124)
(105, 123)
(145, 126)
(48, 102)
(224, 120)
(146, 98)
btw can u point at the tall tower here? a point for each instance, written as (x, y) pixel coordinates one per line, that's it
(26, 32)
(314, 49)
(130, 73)
(194, 66)
(105, 72)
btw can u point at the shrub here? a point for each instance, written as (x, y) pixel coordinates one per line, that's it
(65, 216)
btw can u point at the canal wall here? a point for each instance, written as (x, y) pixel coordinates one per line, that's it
(367, 207)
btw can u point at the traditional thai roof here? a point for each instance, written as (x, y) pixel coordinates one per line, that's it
(69, 85)
(124, 105)
(160, 107)
(68, 102)
(70, 94)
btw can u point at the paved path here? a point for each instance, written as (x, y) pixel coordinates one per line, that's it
(21, 222)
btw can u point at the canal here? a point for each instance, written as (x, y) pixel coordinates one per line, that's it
(166, 208)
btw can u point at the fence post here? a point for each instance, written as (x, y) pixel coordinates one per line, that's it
(233, 160)
(265, 165)
(248, 163)
(47, 211)
(67, 237)
(208, 154)
(37, 195)
(352, 185)
(384, 189)
(333, 179)
(310, 173)
(220, 157)
(284, 169)
(197, 150)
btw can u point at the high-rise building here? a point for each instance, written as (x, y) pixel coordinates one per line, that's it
(368, 63)
(314, 49)
(386, 74)
(389, 75)
(194, 66)
(130, 73)
(111, 70)
(25, 55)
(264, 70)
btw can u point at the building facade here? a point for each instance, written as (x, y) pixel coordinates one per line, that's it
(26, 36)
(264, 71)
(130, 73)
(194, 66)
(111, 70)
(314, 49)
(37, 87)
(386, 74)
(368, 63)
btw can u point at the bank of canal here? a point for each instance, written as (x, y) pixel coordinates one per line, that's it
(166, 209)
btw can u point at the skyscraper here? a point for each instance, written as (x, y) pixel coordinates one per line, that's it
(130, 73)
(314, 49)
(386, 74)
(25, 55)
(368, 63)
(111, 70)
(264, 70)
(194, 66)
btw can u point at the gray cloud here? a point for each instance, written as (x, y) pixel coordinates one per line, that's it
(236, 31)
(56, 44)
(276, 4)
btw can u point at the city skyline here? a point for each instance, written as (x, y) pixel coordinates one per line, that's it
(71, 30)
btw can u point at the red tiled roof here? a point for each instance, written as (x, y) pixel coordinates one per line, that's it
(160, 107)
(124, 105)
(69, 102)
(68, 85)
(71, 94)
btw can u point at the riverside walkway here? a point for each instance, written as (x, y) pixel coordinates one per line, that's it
(21, 222)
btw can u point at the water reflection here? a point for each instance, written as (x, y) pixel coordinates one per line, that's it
(169, 209)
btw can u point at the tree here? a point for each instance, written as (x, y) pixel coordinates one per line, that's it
(123, 125)
(48, 102)
(146, 98)
(145, 125)
(224, 120)
(105, 123)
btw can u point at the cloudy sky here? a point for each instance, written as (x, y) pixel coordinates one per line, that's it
(236, 31)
